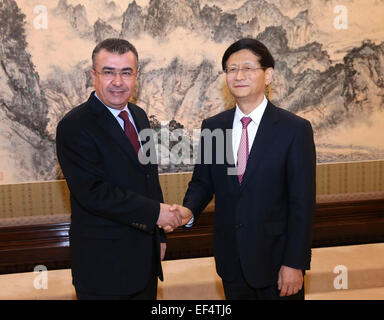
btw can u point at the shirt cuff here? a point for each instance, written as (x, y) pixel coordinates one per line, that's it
(190, 223)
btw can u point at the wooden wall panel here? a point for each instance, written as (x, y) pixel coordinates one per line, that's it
(336, 223)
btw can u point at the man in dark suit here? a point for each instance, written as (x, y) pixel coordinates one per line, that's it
(115, 240)
(264, 205)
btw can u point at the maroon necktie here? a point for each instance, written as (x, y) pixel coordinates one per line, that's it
(243, 152)
(130, 131)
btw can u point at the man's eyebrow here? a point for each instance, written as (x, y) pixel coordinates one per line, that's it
(242, 63)
(123, 69)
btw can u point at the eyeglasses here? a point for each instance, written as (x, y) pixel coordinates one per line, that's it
(246, 70)
(111, 74)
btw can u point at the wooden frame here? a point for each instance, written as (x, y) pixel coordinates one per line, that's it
(336, 223)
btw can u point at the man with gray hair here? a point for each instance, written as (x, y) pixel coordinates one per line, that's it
(116, 240)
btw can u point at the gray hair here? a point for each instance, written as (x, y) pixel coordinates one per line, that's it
(115, 45)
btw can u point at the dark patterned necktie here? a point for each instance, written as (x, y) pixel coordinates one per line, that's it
(130, 131)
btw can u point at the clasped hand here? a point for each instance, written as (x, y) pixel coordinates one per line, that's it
(173, 216)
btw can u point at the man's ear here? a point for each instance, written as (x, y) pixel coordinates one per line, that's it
(93, 75)
(268, 76)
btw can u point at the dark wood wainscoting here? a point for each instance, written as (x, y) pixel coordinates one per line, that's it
(336, 223)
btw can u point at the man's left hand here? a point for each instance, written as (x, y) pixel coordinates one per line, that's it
(290, 281)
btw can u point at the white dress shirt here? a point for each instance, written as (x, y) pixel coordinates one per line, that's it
(252, 128)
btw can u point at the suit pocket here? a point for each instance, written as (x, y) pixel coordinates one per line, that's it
(275, 228)
(98, 233)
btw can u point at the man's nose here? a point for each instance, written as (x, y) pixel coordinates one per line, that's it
(117, 78)
(240, 74)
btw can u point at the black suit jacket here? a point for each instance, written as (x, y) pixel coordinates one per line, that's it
(266, 221)
(115, 201)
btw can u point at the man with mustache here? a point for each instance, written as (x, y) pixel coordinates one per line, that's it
(116, 240)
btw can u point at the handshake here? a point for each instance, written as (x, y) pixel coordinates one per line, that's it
(172, 217)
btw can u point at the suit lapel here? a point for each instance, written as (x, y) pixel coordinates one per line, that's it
(139, 120)
(230, 166)
(264, 138)
(111, 127)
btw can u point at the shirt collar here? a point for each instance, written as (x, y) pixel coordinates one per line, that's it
(255, 115)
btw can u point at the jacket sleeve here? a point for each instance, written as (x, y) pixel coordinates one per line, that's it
(200, 189)
(301, 180)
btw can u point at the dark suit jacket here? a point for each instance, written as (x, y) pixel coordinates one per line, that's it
(115, 201)
(267, 221)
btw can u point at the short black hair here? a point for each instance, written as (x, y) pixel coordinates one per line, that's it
(115, 45)
(257, 47)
